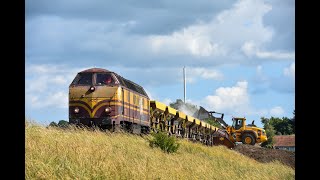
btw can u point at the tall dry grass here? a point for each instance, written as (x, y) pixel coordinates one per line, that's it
(53, 153)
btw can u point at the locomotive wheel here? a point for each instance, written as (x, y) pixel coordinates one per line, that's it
(248, 139)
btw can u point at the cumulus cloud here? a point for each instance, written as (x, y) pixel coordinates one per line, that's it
(185, 42)
(231, 99)
(222, 35)
(235, 101)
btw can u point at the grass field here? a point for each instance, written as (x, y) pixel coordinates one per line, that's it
(53, 153)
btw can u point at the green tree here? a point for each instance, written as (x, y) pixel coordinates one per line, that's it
(270, 133)
(282, 125)
(54, 124)
(63, 123)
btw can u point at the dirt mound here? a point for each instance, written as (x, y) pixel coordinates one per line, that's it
(267, 155)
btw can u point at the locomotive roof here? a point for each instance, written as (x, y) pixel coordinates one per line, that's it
(131, 85)
(95, 70)
(123, 81)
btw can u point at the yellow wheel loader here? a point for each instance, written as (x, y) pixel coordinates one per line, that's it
(237, 132)
(247, 134)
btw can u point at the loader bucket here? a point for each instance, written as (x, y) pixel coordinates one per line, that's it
(223, 141)
(221, 137)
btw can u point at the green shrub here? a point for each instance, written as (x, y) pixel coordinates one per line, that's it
(167, 143)
(63, 124)
(53, 124)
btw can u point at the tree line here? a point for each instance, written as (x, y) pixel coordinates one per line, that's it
(278, 126)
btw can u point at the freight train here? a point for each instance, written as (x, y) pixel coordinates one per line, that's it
(101, 98)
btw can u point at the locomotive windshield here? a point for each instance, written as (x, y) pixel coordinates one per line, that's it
(104, 79)
(83, 79)
(88, 79)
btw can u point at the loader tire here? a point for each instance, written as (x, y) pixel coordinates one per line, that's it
(248, 139)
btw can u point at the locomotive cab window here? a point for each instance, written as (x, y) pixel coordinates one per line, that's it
(104, 79)
(83, 79)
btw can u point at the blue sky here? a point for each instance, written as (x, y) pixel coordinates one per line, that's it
(239, 55)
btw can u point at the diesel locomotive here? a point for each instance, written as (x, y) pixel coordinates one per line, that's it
(105, 99)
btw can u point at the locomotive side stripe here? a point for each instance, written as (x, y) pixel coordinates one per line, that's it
(96, 109)
(103, 101)
(83, 102)
(80, 102)
(85, 107)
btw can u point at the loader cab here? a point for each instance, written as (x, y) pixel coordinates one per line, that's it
(237, 123)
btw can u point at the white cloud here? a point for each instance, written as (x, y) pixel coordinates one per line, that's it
(276, 111)
(189, 41)
(251, 49)
(223, 35)
(231, 99)
(290, 71)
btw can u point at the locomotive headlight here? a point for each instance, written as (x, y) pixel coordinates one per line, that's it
(92, 88)
(76, 110)
(108, 110)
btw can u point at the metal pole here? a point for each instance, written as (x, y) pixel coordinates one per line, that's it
(184, 81)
